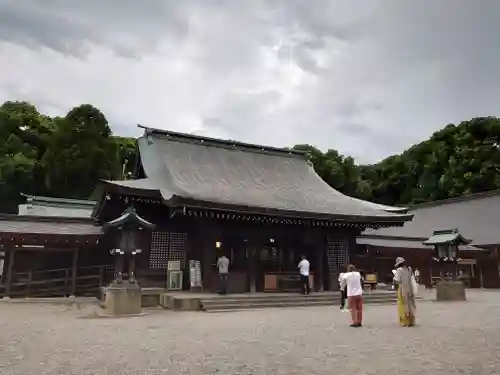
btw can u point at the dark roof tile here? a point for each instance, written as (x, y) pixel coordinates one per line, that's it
(235, 174)
(42, 225)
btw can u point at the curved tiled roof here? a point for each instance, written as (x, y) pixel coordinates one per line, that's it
(383, 207)
(191, 169)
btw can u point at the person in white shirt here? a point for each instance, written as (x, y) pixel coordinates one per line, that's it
(343, 291)
(223, 268)
(416, 273)
(352, 281)
(303, 267)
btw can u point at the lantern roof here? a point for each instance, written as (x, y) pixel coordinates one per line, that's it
(130, 215)
(447, 236)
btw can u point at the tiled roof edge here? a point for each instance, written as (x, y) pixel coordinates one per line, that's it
(49, 219)
(393, 237)
(222, 142)
(462, 198)
(41, 199)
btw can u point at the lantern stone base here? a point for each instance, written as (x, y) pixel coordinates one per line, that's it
(450, 290)
(123, 299)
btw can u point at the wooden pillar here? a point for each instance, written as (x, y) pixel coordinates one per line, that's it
(320, 255)
(497, 251)
(480, 270)
(351, 244)
(74, 272)
(10, 270)
(208, 239)
(430, 274)
(251, 252)
(373, 261)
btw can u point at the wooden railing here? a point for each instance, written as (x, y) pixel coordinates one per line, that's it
(57, 282)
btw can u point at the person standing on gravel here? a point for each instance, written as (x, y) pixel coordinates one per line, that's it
(303, 267)
(352, 282)
(407, 290)
(223, 268)
(343, 290)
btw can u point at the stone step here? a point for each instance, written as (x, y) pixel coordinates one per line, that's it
(291, 301)
(335, 308)
(291, 297)
(218, 304)
(255, 306)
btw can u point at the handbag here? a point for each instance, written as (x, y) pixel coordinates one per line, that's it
(414, 286)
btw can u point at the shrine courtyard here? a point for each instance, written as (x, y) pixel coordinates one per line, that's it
(451, 338)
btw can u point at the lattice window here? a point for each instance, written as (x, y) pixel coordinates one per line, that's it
(167, 246)
(337, 253)
(177, 247)
(158, 253)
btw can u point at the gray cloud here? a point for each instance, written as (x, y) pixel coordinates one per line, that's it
(127, 26)
(368, 80)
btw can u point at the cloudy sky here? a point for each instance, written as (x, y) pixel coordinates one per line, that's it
(368, 78)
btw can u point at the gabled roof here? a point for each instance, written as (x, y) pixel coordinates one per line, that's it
(475, 216)
(56, 207)
(205, 172)
(447, 236)
(129, 215)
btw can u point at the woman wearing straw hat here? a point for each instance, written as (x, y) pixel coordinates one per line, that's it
(406, 293)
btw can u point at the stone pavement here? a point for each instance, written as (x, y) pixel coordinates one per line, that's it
(451, 338)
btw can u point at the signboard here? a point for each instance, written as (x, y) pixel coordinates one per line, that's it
(174, 280)
(195, 274)
(174, 265)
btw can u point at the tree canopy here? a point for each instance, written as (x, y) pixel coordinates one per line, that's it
(67, 156)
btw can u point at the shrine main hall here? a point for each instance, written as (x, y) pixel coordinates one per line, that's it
(262, 207)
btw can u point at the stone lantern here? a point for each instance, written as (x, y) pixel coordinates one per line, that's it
(447, 248)
(123, 295)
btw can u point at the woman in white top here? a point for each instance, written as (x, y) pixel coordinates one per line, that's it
(352, 282)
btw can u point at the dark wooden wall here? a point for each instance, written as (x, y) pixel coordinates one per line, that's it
(381, 260)
(246, 238)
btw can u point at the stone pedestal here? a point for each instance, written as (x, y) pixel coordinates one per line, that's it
(123, 299)
(449, 290)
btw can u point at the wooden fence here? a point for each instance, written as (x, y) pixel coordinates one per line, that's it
(57, 282)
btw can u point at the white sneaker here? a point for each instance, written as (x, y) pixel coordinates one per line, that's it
(345, 310)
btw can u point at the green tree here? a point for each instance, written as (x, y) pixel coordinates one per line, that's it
(24, 136)
(80, 153)
(127, 155)
(456, 160)
(338, 171)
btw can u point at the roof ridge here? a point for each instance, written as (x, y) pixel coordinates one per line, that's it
(223, 142)
(461, 198)
(55, 200)
(392, 237)
(40, 218)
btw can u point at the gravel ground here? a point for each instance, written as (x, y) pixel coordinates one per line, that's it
(451, 338)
